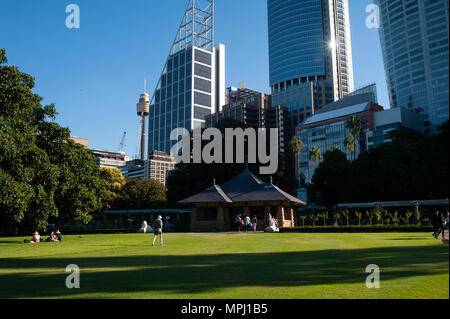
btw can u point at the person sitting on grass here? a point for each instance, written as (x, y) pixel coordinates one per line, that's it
(52, 237)
(36, 238)
(157, 230)
(58, 235)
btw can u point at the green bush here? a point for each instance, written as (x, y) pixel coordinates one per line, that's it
(359, 229)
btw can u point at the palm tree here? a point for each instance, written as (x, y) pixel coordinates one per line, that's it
(359, 215)
(325, 217)
(379, 213)
(370, 215)
(395, 218)
(315, 155)
(303, 217)
(314, 218)
(351, 143)
(334, 148)
(354, 125)
(346, 214)
(408, 216)
(338, 218)
(296, 145)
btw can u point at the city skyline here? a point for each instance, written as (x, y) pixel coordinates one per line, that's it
(95, 83)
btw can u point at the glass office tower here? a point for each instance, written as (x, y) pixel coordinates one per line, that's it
(192, 84)
(310, 56)
(187, 93)
(414, 40)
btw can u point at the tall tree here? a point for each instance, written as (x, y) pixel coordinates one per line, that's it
(296, 145)
(413, 166)
(142, 193)
(114, 181)
(354, 124)
(331, 178)
(351, 143)
(43, 174)
(315, 154)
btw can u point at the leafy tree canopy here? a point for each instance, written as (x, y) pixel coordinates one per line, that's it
(142, 193)
(113, 181)
(413, 166)
(43, 173)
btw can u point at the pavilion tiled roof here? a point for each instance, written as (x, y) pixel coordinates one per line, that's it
(245, 187)
(213, 194)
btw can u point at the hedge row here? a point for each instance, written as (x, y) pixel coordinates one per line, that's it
(97, 231)
(358, 229)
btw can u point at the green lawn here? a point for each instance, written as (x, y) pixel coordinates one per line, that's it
(248, 266)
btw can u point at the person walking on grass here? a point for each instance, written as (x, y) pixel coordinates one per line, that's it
(446, 221)
(238, 222)
(246, 223)
(157, 230)
(437, 223)
(441, 223)
(255, 222)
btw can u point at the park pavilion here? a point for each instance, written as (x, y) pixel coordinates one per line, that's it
(215, 208)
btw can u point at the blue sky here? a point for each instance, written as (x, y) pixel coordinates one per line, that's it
(95, 74)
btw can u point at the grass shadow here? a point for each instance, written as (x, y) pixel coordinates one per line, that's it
(205, 273)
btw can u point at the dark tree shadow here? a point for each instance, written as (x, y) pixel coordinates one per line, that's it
(205, 273)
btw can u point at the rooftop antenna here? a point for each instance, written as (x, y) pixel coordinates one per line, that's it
(196, 29)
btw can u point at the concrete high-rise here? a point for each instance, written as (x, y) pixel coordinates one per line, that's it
(192, 84)
(310, 54)
(414, 39)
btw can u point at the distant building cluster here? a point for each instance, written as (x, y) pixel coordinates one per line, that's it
(110, 159)
(81, 141)
(253, 109)
(327, 129)
(311, 81)
(156, 167)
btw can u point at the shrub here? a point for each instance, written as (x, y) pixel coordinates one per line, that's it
(359, 229)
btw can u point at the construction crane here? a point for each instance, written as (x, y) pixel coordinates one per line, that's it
(122, 142)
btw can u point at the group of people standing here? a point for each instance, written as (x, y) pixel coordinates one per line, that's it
(439, 223)
(245, 223)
